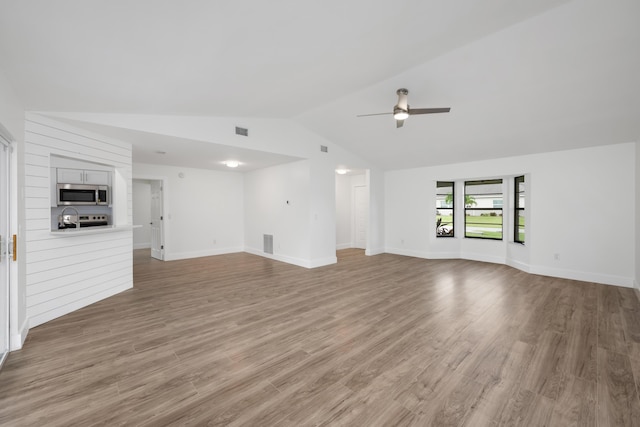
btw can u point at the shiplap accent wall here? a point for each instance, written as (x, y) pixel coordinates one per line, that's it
(65, 273)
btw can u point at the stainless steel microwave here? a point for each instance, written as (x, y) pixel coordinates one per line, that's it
(83, 194)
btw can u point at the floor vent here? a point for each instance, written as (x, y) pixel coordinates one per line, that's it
(268, 244)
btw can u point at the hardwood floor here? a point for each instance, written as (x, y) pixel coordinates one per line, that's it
(385, 340)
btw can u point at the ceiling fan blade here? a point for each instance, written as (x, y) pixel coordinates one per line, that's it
(374, 114)
(414, 111)
(399, 123)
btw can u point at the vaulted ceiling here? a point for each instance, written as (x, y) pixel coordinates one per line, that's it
(520, 77)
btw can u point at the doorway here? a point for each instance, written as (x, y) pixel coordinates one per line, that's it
(6, 241)
(148, 216)
(352, 210)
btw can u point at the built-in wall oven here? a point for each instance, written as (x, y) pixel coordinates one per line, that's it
(82, 194)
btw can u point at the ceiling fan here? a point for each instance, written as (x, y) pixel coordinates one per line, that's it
(402, 111)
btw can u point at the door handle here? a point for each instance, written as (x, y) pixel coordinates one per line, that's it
(15, 247)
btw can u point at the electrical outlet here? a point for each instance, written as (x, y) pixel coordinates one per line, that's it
(402, 242)
(215, 241)
(556, 257)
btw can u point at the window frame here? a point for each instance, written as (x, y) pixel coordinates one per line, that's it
(451, 184)
(499, 181)
(518, 211)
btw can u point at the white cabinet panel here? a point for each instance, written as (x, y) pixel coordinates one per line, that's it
(96, 177)
(80, 176)
(70, 176)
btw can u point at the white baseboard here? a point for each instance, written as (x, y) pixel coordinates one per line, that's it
(422, 254)
(321, 262)
(406, 252)
(374, 251)
(173, 256)
(519, 265)
(142, 246)
(300, 262)
(584, 276)
(544, 271)
(19, 337)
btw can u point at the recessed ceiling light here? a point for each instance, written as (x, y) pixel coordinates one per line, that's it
(342, 171)
(232, 163)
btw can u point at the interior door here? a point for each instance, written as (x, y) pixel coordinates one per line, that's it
(157, 217)
(4, 248)
(361, 216)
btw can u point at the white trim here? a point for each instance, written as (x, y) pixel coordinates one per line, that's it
(18, 338)
(170, 256)
(519, 265)
(374, 251)
(584, 276)
(604, 279)
(283, 258)
(321, 262)
(166, 226)
(474, 256)
(311, 263)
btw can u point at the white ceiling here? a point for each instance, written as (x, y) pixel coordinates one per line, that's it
(157, 149)
(520, 76)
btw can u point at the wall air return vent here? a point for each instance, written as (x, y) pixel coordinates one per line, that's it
(242, 131)
(324, 148)
(268, 244)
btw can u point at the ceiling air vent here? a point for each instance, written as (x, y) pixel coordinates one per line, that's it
(242, 131)
(324, 148)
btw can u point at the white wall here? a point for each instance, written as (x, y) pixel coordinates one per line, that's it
(281, 137)
(12, 118)
(579, 207)
(277, 203)
(203, 210)
(141, 214)
(65, 272)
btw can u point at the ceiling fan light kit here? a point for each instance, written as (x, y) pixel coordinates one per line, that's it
(401, 110)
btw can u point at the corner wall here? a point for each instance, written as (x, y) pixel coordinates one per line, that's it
(579, 208)
(277, 202)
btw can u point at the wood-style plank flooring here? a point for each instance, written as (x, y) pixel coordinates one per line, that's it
(385, 340)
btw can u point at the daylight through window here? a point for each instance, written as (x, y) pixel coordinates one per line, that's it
(483, 209)
(518, 214)
(444, 208)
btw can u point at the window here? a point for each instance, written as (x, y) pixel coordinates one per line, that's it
(518, 209)
(483, 209)
(444, 208)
